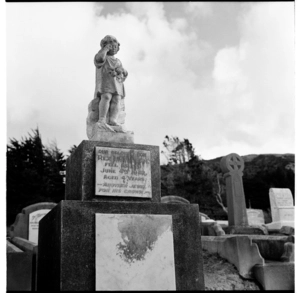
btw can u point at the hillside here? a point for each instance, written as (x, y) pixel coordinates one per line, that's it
(197, 181)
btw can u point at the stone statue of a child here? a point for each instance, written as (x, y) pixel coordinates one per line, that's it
(110, 76)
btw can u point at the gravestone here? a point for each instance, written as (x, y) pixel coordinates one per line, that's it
(26, 224)
(112, 232)
(232, 166)
(255, 217)
(282, 208)
(174, 199)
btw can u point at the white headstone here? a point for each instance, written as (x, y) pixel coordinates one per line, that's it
(255, 217)
(123, 172)
(282, 208)
(33, 228)
(134, 252)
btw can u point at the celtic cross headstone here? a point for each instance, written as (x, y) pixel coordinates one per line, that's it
(232, 166)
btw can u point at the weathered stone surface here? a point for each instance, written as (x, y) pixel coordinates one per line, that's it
(255, 217)
(275, 275)
(28, 247)
(204, 217)
(246, 230)
(289, 252)
(24, 244)
(238, 250)
(287, 230)
(218, 229)
(80, 172)
(67, 243)
(233, 165)
(270, 247)
(129, 250)
(174, 199)
(20, 228)
(123, 172)
(222, 223)
(19, 271)
(108, 136)
(206, 229)
(282, 208)
(11, 247)
(106, 112)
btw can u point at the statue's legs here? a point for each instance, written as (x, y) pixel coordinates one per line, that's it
(114, 110)
(103, 110)
(104, 106)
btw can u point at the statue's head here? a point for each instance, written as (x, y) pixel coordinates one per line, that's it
(115, 45)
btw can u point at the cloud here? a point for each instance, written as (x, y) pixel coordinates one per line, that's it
(244, 105)
(199, 9)
(254, 81)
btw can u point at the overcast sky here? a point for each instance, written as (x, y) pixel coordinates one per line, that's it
(220, 74)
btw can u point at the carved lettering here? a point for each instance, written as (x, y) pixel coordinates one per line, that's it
(123, 172)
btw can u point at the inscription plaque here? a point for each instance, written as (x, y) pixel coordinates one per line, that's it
(123, 172)
(34, 219)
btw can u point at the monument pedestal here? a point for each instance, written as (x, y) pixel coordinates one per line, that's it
(70, 256)
(112, 232)
(134, 165)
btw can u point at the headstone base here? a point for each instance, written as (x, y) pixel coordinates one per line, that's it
(67, 243)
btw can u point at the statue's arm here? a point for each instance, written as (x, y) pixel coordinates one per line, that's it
(101, 55)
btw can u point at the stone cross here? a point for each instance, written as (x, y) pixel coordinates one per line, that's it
(232, 166)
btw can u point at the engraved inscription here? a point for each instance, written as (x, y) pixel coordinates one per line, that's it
(123, 172)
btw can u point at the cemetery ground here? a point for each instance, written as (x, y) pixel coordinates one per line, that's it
(219, 274)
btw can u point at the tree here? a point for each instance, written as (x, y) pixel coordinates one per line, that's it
(33, 173)
(189, 176)
(72, 149)
(178, 151)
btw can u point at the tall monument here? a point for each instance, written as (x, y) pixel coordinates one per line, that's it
(112, 232)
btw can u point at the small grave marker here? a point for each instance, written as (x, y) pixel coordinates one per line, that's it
(282, 208)
(255, 217)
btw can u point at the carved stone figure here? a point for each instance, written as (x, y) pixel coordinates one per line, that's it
(106, 112)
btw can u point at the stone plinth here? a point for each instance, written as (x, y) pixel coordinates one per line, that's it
(67, 243)
(275, 275)
(108, 136)
(233, 165)
(103, 171)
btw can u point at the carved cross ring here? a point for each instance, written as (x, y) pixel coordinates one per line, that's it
(232, 162)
